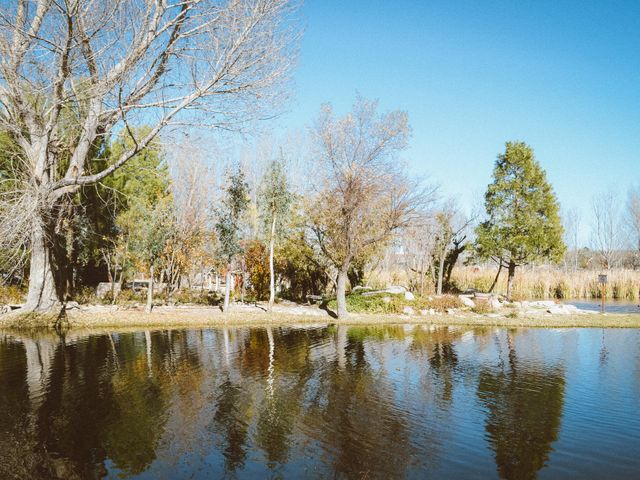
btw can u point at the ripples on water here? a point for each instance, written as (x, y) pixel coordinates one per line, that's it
(325, 402)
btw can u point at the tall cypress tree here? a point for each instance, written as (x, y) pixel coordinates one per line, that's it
(523, 215)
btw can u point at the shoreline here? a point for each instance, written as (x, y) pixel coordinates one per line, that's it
(246, 315)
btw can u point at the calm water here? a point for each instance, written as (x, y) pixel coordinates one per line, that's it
(325, 402)
(610, 306)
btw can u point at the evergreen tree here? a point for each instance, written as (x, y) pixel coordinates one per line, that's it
(523, 223)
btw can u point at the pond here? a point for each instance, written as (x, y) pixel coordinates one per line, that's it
(322, 402)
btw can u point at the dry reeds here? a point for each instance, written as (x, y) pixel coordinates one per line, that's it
(550, 282)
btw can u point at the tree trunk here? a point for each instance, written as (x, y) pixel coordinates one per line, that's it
(341, 292)
(43, 294)
(227, 289)
(150, 292)
(272, 277)
(443, 254)
(495, 280)
(512, 271)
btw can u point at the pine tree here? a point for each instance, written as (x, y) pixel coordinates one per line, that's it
(523, 223)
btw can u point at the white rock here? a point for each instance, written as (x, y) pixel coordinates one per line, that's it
(558, 310)
(386, 299)
(407, 311)
(543, 304)
(494, 303)
(395, 289)
(466, 301)
(451, 311)
(409, 296)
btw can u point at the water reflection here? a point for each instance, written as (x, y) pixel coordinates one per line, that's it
(336, 401)
(524, 407)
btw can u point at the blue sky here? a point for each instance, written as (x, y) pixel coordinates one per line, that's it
(562, 76)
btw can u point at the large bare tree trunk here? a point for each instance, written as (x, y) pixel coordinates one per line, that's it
(341, 293)
(512, 272)
(272, 277)
(43, 294)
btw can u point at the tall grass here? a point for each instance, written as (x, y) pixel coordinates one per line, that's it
(549, 282)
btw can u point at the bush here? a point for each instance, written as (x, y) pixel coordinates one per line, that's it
(395, 304)
(11, 294)
(482, 308)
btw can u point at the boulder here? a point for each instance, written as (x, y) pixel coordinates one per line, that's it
(395, 289)
(466, 301)
(542, 304)
(359, 288)
(407, 311)
(386, 299)
(494, 303)
(104, 289)
(409, 296)
(558, 310)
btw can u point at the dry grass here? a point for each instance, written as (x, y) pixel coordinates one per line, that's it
(548, 282)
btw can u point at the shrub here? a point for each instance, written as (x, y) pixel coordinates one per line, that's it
(482, 308)
(11, 294)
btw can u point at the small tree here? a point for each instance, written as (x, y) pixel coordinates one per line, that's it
(228, 226)
(449, 242)
(364, 197)
(523, 223)
(607, 232)
(275, 203)
(633, 218)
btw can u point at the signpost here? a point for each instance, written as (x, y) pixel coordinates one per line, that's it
(602, 280)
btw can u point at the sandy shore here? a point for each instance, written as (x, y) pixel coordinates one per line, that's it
(101, 317)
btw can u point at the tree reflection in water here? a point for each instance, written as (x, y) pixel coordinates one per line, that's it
(337, 401)
(524, 403)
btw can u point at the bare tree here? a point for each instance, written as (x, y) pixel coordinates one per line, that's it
(606, 235)
(192, 189)
(451, 228)
(633, 217)
(74, 71)
(418, 246)
(571, 232)
(364, 196)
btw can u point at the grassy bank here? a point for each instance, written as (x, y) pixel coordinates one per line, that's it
(209, 317)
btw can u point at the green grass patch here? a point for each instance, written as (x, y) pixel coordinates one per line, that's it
(387, 303)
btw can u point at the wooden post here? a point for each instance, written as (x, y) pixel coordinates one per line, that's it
(602, 280)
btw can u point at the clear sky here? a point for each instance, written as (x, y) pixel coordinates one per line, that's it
(563, 76)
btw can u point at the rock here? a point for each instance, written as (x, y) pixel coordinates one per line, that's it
(104, 288)
(466, 301)
(409, 296)
(451, 311)
(542, 304)
(558, 310)
(71, 305)
(395, 289)
(494, 303)
(407, 311)
(361, 287)
(386, 299)
(424, 313)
